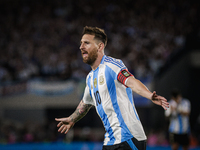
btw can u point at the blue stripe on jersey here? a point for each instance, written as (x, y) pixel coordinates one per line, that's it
(131, 144)
(100, 110)
(180, 124)
(130, 97)
(172, 126)
(88, 83)
(117, 63)
(109, 73)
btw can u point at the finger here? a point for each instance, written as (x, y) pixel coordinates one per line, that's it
(61, 128)
(59, 119)
(155, 96)
(154, 93)
(59, 124)
(161, 98)
(66, 131)
(164, 108)
(165, 103)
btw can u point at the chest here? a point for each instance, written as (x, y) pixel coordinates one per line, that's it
(98, 81)
(100, 85)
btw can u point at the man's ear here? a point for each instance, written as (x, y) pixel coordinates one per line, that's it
(101, 46)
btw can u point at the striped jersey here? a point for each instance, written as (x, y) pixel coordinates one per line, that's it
(106, 89)
(179, 124)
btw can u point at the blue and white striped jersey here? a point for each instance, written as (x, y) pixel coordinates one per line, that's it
(113, 102)
(179, 124)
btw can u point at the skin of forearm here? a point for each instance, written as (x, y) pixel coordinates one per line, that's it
(80, 111)
(174, 110)
(139, 88)
(184, 113)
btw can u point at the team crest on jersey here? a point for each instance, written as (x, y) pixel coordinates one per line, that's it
(95, 82)
(101, 80)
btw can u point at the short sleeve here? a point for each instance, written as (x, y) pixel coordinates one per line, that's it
(186, 106)
(87, 99)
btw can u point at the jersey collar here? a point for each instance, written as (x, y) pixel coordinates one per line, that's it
(102, 61)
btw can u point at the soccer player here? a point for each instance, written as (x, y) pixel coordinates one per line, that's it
(109, 87)
(178, 115)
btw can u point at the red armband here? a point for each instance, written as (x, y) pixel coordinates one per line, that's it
(123, 75)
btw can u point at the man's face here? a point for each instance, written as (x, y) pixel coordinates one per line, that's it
(178, 98)
(89, 49)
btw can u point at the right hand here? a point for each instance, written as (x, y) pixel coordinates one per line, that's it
(65, 124)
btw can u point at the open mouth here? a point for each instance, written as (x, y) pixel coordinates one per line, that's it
(84, 53)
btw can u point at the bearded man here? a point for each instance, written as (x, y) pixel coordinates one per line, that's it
(109, 87)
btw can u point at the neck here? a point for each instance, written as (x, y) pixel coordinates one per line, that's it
(97, 62)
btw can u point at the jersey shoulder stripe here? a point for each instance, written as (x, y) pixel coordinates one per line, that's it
(114, 61)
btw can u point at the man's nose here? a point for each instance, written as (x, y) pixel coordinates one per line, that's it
(81, 46)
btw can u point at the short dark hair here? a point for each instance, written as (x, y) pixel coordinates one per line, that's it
(175, 92)
(98, 33)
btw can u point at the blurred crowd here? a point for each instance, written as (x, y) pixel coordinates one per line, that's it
(40, 38)
(31, 132)
(16, 132)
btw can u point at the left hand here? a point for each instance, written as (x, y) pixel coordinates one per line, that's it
(159, 100)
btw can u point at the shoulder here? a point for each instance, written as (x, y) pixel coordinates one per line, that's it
(186, 101)
(113, 62)
(171, 101)
(88, 76)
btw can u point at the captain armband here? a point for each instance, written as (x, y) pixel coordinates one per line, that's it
(123, 76)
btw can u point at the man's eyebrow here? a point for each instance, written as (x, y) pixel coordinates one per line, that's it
(86, 41)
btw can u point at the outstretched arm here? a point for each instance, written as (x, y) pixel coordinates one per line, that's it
(67, 123)
(139, 88)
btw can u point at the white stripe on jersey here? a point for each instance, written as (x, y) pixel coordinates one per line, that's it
(113, 102)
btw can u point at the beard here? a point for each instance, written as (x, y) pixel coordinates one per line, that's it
(91, 58)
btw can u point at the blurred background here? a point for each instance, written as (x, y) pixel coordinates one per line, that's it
(42, 75)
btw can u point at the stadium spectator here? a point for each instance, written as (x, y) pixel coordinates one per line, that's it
(39, 38)
(178, 114)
